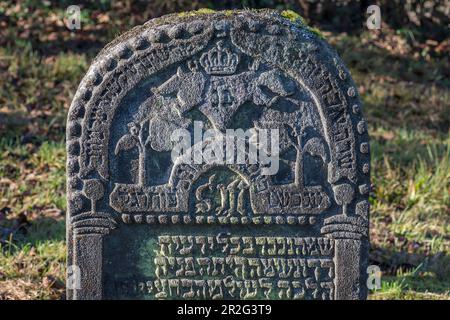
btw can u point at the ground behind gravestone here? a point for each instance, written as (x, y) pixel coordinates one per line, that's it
(403, 78)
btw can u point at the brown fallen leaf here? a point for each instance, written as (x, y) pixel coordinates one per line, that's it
(50, 281)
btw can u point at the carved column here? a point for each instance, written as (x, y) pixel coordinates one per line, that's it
(88, 258)
(347, 261)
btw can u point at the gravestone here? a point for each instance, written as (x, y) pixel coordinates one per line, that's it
(150, 216)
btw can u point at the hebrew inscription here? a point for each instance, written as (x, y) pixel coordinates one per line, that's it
(242, 267)
(218, 156)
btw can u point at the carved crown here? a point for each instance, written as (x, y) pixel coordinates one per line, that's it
(219, 60)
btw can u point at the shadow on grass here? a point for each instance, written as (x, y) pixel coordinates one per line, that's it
(379, 61)
(32, 234)
(46, 229)
(20, 126)
(415, 271)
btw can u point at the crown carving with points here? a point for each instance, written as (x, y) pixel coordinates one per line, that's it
(219, 60)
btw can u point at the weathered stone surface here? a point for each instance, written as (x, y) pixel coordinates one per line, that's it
(141, 225)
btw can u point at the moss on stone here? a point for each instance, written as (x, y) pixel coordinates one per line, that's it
(292, 16)
(316, 31)
(297, 19)
(207, 11)
(187, 16)
(197, 12)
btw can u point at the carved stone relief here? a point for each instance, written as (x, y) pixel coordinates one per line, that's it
(145, 224)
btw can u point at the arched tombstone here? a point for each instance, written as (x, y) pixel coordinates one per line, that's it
(146, 222)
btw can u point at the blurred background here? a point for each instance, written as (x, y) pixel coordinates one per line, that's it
(403, 75)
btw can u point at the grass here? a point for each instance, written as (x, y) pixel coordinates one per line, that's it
(406, 101)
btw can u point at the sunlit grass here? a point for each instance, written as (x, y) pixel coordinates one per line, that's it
(412, 285)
